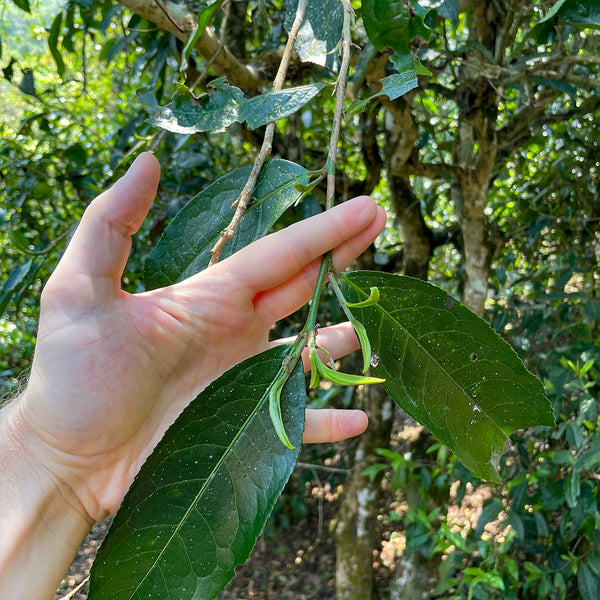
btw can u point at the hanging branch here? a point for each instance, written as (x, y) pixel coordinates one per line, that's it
(340, 94)
(246, 194)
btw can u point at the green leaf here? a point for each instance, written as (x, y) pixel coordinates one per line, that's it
(585, 14)
(23, 5)
(392, 86)
(27, 85)
(320, 32)
(53, 44)
(372, 299)
(184, 248)
(588, 582)
(447, 368)
(398, 84)
(188, 114)
(405, 61)
(16, 278)
(449, 9)
(269, 107)
(552, 12)
(204, 18)
(562, 86)
(387, 23)
(203, 496)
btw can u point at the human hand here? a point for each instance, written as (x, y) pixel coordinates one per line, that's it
(113, 370)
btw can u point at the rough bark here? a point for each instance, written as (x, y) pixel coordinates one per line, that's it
(475, 151)
(355, 524)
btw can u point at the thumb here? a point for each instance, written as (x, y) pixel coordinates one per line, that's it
(100, 246)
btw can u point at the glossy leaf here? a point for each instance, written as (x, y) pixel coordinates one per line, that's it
(203, 496)
(204, 17)
(392, 86)
(224, 106)
(184, 248)
(387, 23)
(447, 368)
(320, 32)
(583, 14)
(269, 107)
(187, 114)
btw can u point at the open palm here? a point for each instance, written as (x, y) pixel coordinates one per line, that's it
(113, 370)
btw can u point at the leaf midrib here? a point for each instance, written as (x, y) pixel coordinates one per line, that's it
(254, 205)
(379, 307)
(218, 465)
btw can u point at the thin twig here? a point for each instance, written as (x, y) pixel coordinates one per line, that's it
(169, 17)
(322, 468)
(246, 194)
(74, 591)
(340, 94)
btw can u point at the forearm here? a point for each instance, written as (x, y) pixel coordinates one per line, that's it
(41, 525)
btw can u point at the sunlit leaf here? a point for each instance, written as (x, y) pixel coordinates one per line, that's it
(187, 114)
(447, 368)
(392, 86)
(320, 31)
(269, 107)
(184, 248)
(203, 496)
(224, 106)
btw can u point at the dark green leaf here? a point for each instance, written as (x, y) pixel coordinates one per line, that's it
(53, 44)
(265, 108)
(587, 582)
(187, 114)
(320, 32)
(204, 17)
(23, 5)
(398, 84)
(405, 61)
(488, 514)
(552, 12)
(589, 460)
(13, 282)
(8, 70)
(572, 488)
(184, 249)
(449, 9)
(562, 86)
(200, 500)
(392, 86)
(27, 85)
(576, 12)
(387, 23)
(448, 368)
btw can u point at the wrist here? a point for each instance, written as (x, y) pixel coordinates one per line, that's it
(41, 520)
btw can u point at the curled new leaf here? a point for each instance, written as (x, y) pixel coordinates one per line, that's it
(275, 411)
(365, 345)
(337, 377)
(372, 299)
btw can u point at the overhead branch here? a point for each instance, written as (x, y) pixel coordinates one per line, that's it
(529, 121)
(432, 170)
(246, 194)
(181, 25)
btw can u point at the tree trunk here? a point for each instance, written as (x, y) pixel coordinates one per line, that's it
(355, 531)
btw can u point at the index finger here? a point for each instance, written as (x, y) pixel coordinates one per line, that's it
(279, 256)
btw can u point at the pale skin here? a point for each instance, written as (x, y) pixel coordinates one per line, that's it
(112, 370)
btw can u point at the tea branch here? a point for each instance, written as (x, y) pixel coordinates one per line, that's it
(246, 194)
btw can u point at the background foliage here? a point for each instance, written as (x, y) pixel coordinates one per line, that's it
(489, 170)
